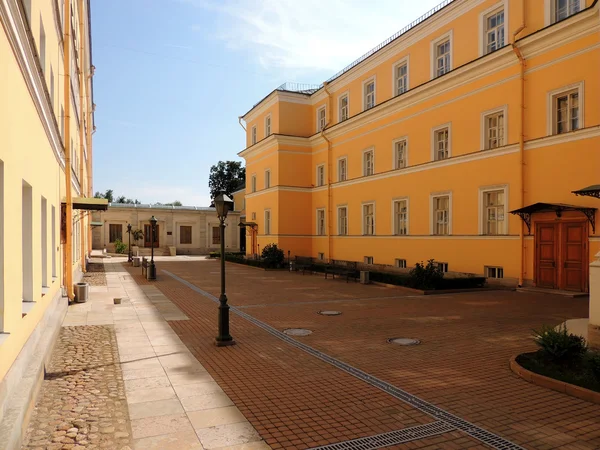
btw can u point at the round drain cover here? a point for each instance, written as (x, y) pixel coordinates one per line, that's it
(404, 341)
(330, 313)
(297, 332)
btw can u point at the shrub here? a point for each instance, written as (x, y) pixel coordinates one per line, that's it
(137, 235)
(272, 256)
(425, 276)
(593, 360)
(120, 247)
(558, 345)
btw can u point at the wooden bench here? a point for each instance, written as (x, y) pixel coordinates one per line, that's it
(144, 266)
(347, 270)
(303, 263)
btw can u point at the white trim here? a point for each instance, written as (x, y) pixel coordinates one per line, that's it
(434, 130)
(504, 110)
(317, 176)
(267, 210)
(364, 84)
(337, 210)
(317, 222)
(268, 116)
(362, 216)
(556, 139)
(345, 158)
(394, 201)
(482, 191)
(502, 4)
(339, 108)
(432, 197)
(364, 152)
(318, 123)
(400, 62)
(448, 36)
(269, 177)
(550, 95)
(394, 142)
(549, 9)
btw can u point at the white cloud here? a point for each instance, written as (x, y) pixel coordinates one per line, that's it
(309, 34)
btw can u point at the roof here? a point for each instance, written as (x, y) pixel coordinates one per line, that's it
(89, 203)
(160, 207)
(591, 191)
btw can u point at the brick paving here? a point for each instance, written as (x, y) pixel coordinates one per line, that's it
(297, 401)
(82, 402)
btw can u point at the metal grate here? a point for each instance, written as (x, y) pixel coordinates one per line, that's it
(472, 430)
(391, 438)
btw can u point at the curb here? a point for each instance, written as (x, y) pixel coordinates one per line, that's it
(556, 385)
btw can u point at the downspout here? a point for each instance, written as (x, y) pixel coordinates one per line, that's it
(89, 132)
(329, 193)
(81, 137)
(240, 122)
(521, 143)
(67, 137)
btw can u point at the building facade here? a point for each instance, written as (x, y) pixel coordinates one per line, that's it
(46, 124)
(459, 139)
(192, 230)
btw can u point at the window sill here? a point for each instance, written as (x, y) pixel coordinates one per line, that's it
(26, 307)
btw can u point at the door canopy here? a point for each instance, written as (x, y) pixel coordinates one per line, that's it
(526, 212)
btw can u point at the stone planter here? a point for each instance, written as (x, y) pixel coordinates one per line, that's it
(172, 251)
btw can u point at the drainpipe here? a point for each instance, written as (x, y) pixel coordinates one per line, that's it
(240, 122)
(329, 170)
(81, 136)
(521, 142)
(68, 253)
(88, 137)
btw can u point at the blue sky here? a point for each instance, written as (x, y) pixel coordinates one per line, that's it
(172, 77)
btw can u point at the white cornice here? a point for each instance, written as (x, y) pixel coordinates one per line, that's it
(548, 141)
(279, 140)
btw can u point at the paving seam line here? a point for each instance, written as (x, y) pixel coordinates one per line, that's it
(482, 435)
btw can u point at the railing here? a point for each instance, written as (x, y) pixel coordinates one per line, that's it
(303, 88)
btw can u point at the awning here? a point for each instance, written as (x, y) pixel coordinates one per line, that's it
(89, 203)
(526, 212)
(96, 224)
(247, 224)
(590, 191)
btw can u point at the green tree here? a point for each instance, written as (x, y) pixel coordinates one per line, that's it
(226, 176)
(175, 203)
(108, 195)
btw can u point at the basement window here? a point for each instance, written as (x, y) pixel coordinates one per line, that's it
(494, 272)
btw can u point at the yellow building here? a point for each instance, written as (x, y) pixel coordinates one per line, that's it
(424, 146)
(46, 124)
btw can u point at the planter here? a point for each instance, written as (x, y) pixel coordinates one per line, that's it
(172, 251)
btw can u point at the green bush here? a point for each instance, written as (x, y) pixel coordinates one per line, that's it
(557, 344)
(425, 276)
(272, 256)
(120, 247)
(403, 279)
(593, 360)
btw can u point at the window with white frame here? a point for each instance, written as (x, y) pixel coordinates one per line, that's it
(401, 78)
(494, 221)
(42, 48)
(400, 153)
(342, 169)
(441, 143)
(494, 272)
(267, 221)
(369, 219)
(344, 110)
(561, 9)
(321, 119)
(441, 215)
(400, 263)
(321, 175)
(494, 130)
(320, 222)
(369, 94)
(267, 179)
(442, 57)
(321, 256)
(253, 140)
(566, 111)
(494, 31)
(442, 266)
(268, 125)
(400, 217)
(253, 183)
(52, 86)
(342, 220)
(253, 216)
(368, 260)
(368, 163)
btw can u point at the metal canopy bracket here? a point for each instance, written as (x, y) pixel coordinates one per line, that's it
(558, 208)
(525, 217)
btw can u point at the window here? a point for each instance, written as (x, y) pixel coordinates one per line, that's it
(185, 234)
(562, 9)
(494, 31)
(400, 78)
(216, 235)
(368, 260)
(494, 130)
(442, 57)
(369, 94)
(267, 179)
(344, 111)
(320, 222)
(442, 266)
(115, 231)
(369, 219)
(400, 217)
(42, 49)
(62, 124)
(494, 272)
(268, 125)
(400, 148)
(253, 183)
(493, 212)
(321, 175)
(441, 215)
(401, 263)
(52, 87)
(267, 221)
(441, 141)
(253, 216)
(321, 256)
(343, 221)
(253, 135)
(566, 111)
(368, 163)
(321, 118)
(342, 169)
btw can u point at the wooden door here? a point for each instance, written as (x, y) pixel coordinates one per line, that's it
(148, 236)
(573, 257)
(546, 255)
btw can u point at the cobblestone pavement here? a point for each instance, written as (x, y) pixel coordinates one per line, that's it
(95, 274)
(295, 400)
(82, 402)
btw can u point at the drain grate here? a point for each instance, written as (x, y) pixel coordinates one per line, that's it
(472, 430)
(297, 332)
(391, 438)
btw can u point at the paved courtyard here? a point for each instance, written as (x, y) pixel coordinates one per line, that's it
(345, 381)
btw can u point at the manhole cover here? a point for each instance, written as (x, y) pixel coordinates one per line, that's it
(404, 341)
(330, 313)
(297, 332)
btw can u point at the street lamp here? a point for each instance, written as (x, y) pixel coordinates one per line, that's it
(129, 256)
(223, 205)
(151, 270)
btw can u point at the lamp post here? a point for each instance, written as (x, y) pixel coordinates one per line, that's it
(129, 255)
(223, 205)
(151, 270)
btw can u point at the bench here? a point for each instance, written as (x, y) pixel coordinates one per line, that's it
(303, 263)
(347, 270)
(144, 266)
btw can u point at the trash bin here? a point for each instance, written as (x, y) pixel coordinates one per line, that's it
(172, 251)
(136, 261)
(81, 292)
(364, 277)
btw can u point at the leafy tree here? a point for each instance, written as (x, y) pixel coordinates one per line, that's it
(226, 176)
(108, 195)
(175, 203)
